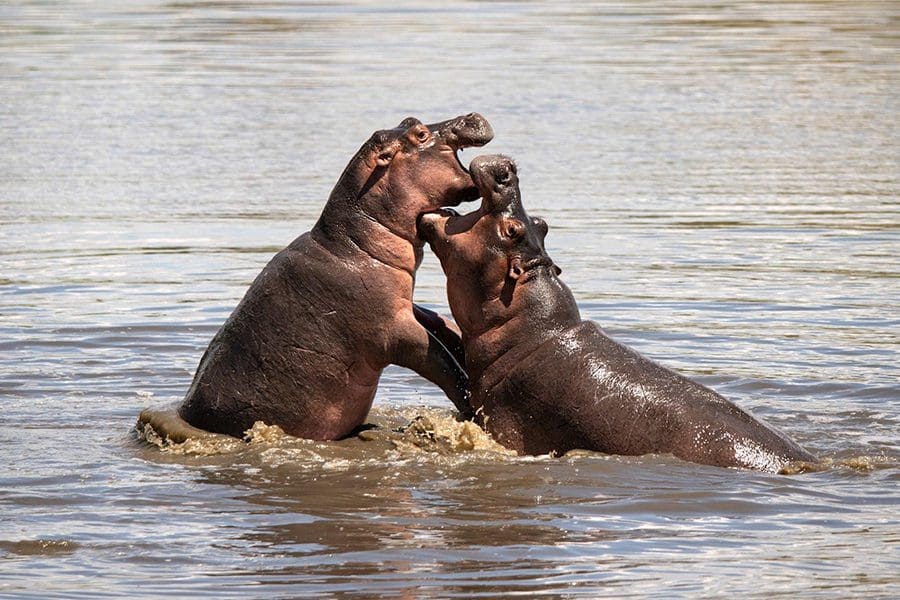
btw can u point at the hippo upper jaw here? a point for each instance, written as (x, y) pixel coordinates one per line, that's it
(453, 135)
(466, 131)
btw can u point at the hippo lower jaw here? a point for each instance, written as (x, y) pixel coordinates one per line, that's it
(426, 222)
(459, 161)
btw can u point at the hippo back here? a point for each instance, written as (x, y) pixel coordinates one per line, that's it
(582, 389)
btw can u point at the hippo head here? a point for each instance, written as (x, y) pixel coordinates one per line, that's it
(489, 253)
(411, 169)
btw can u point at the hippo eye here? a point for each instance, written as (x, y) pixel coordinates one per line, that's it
(503, 176)
(422, 134)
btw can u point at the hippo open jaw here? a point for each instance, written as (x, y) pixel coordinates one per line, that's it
(455, 135)
(462, 165)
(467, 131)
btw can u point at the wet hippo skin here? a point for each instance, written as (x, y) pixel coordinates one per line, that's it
(305, 347)
(542, 380)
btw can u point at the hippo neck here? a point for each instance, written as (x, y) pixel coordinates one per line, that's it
(540, 309)
(346, 227)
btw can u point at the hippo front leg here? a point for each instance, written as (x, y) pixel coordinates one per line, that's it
(422, 351)
(445, 331)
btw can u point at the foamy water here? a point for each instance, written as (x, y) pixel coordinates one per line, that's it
(721, 186)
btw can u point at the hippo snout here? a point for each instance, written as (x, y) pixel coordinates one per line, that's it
(492, 170)
(473, 130)
(464, 131)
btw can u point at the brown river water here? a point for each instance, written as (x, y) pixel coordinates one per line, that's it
(722, 184)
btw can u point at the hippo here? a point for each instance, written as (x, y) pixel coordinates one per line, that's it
(305, 347)
(542, 380)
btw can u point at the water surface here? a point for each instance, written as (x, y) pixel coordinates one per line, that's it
(722, 185)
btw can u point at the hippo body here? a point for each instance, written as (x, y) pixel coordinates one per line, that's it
(305, 347)
(291, 335)
(543, 380)
(601, 395)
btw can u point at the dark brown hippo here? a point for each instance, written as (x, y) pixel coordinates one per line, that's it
(305, 347)
(542, 380)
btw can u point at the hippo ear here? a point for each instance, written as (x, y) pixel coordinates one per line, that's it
(381, 147)
(515, 268)
(385, 152)
(541, 226)
(384, 156)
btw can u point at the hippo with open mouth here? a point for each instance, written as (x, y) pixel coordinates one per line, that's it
(306, 346)
(544, 381)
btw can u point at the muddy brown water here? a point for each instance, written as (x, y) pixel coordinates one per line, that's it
(721, 183)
